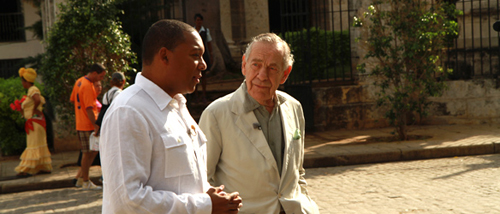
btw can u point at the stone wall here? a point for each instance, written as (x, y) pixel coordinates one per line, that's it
(465, 102)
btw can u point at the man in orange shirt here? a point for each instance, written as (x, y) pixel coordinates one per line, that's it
(84, 98)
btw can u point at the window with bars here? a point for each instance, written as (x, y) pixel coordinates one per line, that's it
(11, 22)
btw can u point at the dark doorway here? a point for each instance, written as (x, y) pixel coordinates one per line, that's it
(274, 16)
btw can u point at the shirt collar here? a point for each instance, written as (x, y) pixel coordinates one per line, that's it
(250, 104)
(201, 29)
(161, 98)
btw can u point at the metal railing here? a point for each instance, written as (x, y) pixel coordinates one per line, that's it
(474, 54)
(320, 34)
(12, 27)
(321, 41)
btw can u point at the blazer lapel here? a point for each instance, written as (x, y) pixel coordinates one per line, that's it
(289, 126)
(245, 121)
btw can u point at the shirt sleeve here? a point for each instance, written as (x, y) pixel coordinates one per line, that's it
(88, 97)
(32, 91)
(126, 153)
(209, 37)
(72, 98)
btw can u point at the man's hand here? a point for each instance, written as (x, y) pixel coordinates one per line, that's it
(223, 202)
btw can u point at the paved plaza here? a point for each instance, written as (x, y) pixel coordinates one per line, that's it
(468, 184)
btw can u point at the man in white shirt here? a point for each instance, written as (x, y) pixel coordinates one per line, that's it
(117, 82)
(153, 152)
(207, 56)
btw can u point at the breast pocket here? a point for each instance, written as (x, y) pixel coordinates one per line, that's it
(179, 160)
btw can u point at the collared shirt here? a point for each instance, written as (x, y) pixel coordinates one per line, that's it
(83, 97)
(115, 91)
(270, 123)
(209, 37)
(153, 154)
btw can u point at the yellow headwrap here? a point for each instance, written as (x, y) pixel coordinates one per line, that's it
(29, 74)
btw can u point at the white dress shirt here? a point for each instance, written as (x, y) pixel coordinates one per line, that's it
(107, 94)
(153, 154)
(209, 37)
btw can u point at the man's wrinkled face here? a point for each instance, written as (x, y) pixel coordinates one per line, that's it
(264, 71)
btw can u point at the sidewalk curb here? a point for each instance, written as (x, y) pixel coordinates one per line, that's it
(316, 161)
(54, 184)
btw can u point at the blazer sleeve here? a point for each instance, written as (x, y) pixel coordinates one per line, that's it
(310, 207)
(210, 127)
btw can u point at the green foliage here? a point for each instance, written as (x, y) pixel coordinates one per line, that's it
(406, 39)
(319, 54)
(87, 32)
(13, 140)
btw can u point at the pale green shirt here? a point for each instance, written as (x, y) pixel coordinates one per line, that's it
(270, 124)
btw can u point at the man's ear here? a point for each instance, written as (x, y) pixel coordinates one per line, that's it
(163, 53)
(286, 74)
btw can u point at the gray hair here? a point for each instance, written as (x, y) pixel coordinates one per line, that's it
(272, 38)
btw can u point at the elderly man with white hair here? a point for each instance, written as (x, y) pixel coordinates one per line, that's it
(256, 135)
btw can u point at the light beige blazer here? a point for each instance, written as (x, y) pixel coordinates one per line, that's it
(239, 156)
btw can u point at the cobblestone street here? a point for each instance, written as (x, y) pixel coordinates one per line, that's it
(450, 185)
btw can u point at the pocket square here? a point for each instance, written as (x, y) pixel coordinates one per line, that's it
(296, 135)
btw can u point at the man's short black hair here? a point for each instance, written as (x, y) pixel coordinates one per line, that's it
(166, 33)
(97, 67)
(198, 15)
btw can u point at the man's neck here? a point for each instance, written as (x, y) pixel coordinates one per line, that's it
(89, 77)
(269, 104)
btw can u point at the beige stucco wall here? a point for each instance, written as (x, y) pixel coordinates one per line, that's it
(256, 18)
(256, 22)
(225, 20)
(32, 46)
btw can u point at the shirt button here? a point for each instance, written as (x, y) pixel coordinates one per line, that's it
(178, 140)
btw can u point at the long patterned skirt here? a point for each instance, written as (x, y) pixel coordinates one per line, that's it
(36, 156)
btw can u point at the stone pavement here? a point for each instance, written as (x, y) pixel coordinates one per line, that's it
(64, 170)
(455, 185)
(322, 149)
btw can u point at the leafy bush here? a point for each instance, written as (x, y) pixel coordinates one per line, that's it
(13, 140)
(319, 54)
(406, 41)
(86, 32)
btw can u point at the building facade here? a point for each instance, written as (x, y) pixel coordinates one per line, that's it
(16, 43)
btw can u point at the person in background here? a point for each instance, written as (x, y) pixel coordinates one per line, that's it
(152, 151)
(255, 135)
(98, 91)
(207, 56)
(36, 157)
(84, 98)
(78, 180)
(117, 83)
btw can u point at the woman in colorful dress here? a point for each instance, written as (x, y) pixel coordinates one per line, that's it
(36, 157)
